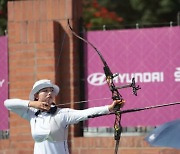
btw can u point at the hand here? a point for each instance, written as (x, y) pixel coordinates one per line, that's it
(115, 102)
(44, 106)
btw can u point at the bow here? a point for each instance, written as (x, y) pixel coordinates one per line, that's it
(114, 90)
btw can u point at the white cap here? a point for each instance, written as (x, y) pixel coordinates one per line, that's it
(41, 84)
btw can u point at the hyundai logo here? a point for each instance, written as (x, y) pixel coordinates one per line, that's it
(97, 79)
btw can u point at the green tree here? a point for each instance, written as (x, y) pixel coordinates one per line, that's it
(144, 12)
(3, 16)
(118, 13)
(156, 11)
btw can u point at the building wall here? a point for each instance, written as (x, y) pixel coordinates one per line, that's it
(42, 46)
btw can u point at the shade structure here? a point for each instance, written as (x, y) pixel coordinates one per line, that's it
(165, 135)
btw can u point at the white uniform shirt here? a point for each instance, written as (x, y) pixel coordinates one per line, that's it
(50, 132)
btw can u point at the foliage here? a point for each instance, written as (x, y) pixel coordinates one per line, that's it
(97, 15)
(118, 13)
(144, 12)
(3, 16)
(157, 11)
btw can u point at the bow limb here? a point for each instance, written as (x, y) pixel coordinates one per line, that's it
(86, 41)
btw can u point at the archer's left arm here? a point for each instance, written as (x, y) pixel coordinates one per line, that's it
(75, 116)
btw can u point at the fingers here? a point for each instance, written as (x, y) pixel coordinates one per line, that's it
(122, 101)
(116, 102)
(45, 106)
(119, 102)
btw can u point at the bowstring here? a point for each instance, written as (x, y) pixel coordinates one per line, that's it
(61, 49)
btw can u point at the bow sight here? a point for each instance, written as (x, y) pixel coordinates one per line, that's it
(133, 85)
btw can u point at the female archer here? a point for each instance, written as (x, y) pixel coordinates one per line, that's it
(49, 124)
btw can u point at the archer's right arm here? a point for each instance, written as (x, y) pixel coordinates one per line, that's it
(18, 106)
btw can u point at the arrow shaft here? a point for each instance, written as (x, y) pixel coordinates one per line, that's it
(136, 109)
(148, 107)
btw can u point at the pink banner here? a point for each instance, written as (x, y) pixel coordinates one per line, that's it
(3, 82)
(150, 55)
